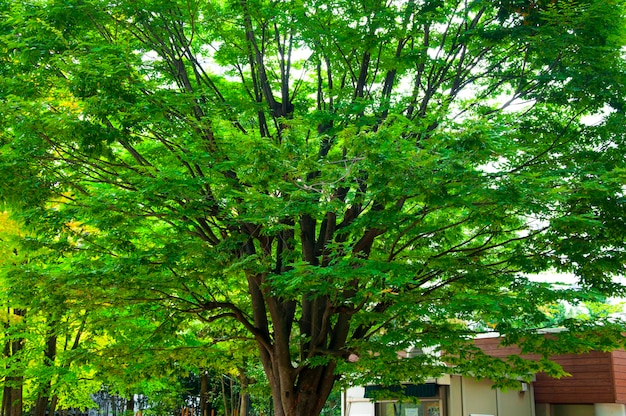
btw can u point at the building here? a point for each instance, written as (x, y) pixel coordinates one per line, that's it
(450, 395)
(596, 387)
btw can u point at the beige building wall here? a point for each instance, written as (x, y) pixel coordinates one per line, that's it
(455, 403)
(472, 397)
(465, 397)
(479, 398)
(515, 402)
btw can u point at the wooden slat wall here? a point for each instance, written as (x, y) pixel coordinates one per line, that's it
(597, 377)
(492, 347)
(619, 375)
(591, 380)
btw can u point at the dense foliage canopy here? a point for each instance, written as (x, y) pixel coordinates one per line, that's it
(330, 181)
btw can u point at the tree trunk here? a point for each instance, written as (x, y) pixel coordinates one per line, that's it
(12, 399)
(40, 405)
(49, 357)
(13, 384)
(204, 397)
(297, 390)
(298, 393)
(113, 405)
(6, 392)
(16, 397)
(225, 398)
(6, 400)
(233, 409)
(244, 397)
(130, 405)
(53, 404)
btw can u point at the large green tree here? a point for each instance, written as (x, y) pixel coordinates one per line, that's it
(333, 181)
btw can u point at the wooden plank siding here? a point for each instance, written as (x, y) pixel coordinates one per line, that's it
(619, 375)
(591, 380)
(596, 377)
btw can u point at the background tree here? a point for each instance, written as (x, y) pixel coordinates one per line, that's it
(334, 181)
(62, 348)
(41, 335)
(12, 327)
